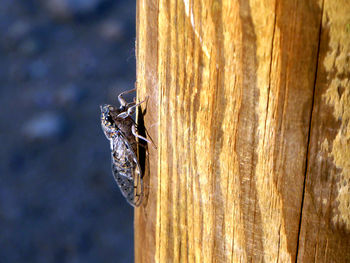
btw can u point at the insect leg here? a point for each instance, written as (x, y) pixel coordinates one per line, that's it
(111, 142)
(130, 110)
(133, 130)
(121, 100)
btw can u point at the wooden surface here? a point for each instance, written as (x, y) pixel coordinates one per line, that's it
(249, 105)
(325, 228)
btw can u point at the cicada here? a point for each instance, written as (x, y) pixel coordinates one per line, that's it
(121, 130)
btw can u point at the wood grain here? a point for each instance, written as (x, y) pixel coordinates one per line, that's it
(147, 85)
(325, 229)
(231, 88)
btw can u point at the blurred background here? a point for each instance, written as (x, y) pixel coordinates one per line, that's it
(59, 60)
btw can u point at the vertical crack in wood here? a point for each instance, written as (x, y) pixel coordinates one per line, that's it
(219, 105)
(270, 69)
(309, 133)
(246, 138)
(159, 195)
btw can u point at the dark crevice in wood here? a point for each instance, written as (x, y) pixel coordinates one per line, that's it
(309, 133)
(279, 243)
(270, 69)
(246, 138)
(219, 105)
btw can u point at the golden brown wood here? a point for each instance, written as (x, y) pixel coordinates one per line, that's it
(147, 55)
(325, 229)
(231, 88)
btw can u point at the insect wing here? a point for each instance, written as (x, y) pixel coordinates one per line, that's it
(126, 170)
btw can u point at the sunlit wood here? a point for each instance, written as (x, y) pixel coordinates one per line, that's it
(249, 108)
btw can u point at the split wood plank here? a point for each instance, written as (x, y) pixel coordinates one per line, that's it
(325, 229)
(230, 87)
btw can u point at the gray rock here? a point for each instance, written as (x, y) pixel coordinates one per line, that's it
(47, 125)
(30, 46)
(19, 30)
(69, 95)
(112, 30)
(15, 33)
(41, 98)
(65, 9)
(38, 69)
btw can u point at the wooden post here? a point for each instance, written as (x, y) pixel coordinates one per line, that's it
(249, 105)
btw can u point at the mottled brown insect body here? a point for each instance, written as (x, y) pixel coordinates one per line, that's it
(120, 129)
(125, 126)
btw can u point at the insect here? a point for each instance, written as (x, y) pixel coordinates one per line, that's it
(121, 130)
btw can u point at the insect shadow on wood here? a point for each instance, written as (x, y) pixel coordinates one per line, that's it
(126, 141)
(143, 150)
